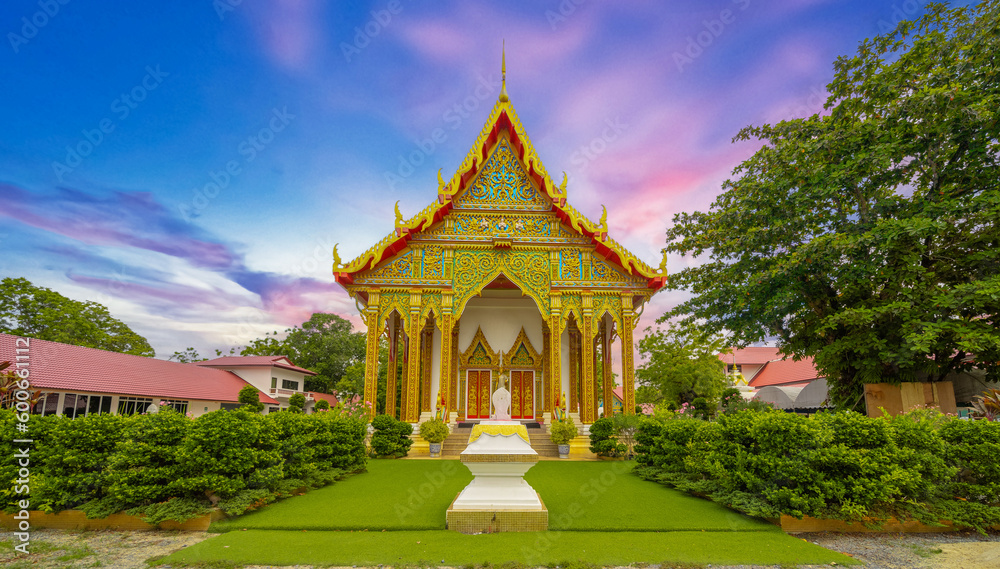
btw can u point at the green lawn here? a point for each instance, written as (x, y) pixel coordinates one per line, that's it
(541, 548)
(395, 514)
(392, 495)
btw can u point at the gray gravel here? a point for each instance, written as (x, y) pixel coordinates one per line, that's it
(56, 549)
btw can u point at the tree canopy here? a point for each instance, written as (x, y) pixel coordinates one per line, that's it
(868, 236)
(38, 312)
(679, 364)
(325, 344)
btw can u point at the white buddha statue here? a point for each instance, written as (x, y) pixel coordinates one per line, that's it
(501, 401)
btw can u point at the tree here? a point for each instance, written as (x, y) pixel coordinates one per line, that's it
(325, 344)
(189, 355)
(38, 312)
(249, 398)
(680, 364)
(868, 238)
(296, 402)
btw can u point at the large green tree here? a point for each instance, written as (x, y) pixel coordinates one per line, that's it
(680, 362)
(868, 237)
(38, 312)
(325, 344)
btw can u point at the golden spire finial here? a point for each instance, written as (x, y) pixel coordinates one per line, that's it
(503, 74)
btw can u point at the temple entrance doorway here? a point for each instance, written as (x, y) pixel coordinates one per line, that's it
(522, 394)
(479, 393)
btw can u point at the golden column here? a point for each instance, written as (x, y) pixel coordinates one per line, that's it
(546, 402)
(574, 368)
(555, 350)
(390, 374)
(411, 405)
(628, 363)
(371, 350)
(608, 378)
(588, 394)
(444, 382)
(426, 353)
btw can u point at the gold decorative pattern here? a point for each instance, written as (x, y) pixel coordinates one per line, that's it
(499, 431)
(371, 349)
(398, 300)
(502, 184)
(479, 353)
(527, 269)
(431, 268)
(431, 303)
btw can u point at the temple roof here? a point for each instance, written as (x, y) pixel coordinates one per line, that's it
(503, 120)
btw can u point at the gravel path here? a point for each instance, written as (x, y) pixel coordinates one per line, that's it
(55, 549)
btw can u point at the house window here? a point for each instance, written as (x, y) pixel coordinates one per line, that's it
(179, 406)
(133, 405)
(48, 404)
(289, 384)
(230, 406)
(274, 382)
(82, 404)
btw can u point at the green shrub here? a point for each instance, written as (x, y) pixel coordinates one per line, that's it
(322, 405)
(391, 436)
(295, 434)
(296, 402)
(834, 465)
(563, 431)
(72, 456)
(701, 407)
(228, 452)
(434, 431)
(603, 441)
(249, 398)
(340, 442)
(144, 468)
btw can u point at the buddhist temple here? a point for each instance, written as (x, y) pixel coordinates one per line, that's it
(499, 274)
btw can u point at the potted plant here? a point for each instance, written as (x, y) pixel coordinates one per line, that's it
(561, 433)
(434, 431)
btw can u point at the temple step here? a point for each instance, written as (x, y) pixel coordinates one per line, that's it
(458, 440)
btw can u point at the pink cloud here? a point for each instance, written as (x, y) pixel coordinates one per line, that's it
(290, 32)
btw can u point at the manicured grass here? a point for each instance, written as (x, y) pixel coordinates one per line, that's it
(606, 496)
(392, 495)
(542, 548)
(414, 494)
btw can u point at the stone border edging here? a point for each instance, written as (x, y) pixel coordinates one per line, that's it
(77, 519)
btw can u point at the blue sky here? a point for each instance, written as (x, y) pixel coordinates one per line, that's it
(191, 164)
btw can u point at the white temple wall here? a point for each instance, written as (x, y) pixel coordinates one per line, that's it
(501, 318)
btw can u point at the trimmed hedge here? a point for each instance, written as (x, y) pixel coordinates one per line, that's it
(168, 466)
(841, 465)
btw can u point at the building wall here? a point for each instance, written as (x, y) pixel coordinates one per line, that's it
(196, 407)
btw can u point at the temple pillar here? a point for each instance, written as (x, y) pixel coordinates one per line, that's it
(606, 364)
(628, 363)
(411, 411)
(371, 317)
(445, 395)
(546, 403)
(426, 353)
(574, 370)
(588, 407)
(555, 352)
(390, 375)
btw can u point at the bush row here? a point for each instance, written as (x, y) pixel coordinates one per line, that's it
(168, 466)
(843, 465)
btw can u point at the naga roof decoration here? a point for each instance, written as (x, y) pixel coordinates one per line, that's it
(501, 140)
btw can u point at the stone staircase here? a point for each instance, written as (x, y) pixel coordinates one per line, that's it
(456, 442)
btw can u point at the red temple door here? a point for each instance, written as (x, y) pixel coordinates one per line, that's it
(478, 383)
(522, 394)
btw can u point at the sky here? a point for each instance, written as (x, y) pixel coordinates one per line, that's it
(191, 164)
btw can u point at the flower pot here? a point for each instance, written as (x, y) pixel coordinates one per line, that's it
(435, 449)
(563, 451)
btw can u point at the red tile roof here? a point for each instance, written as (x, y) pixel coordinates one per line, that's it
(331, 399)
(751, 356)
(244, 361)
(62, 366)
(783, 372)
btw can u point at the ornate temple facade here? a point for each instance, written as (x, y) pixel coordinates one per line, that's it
(499, 274)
